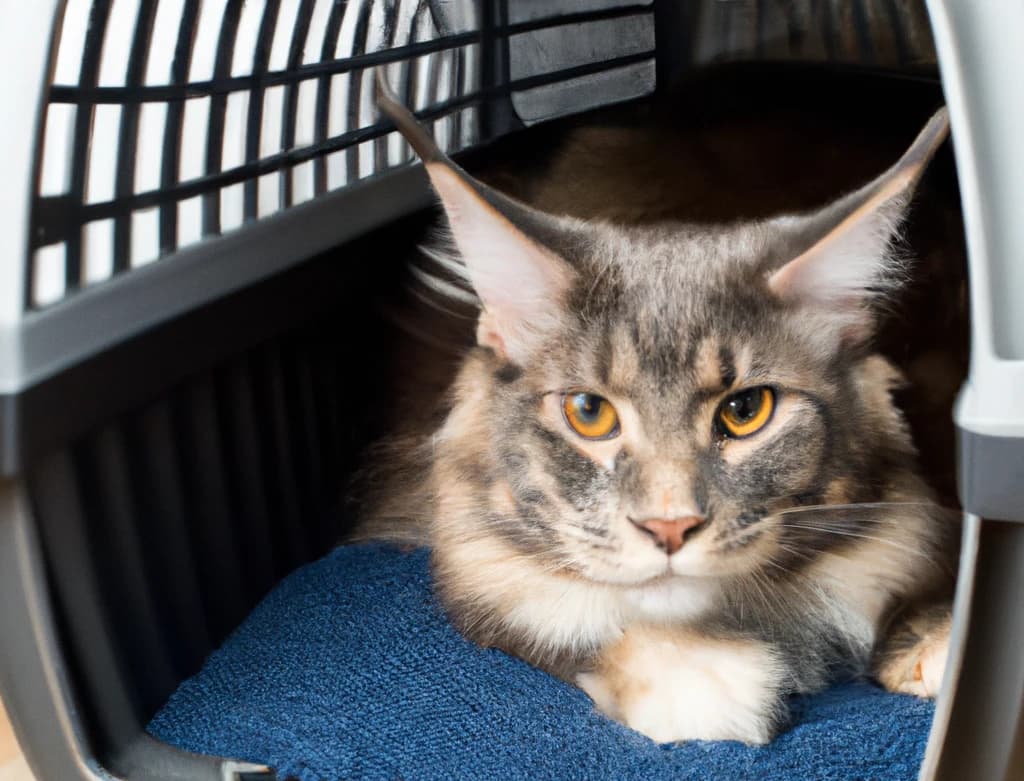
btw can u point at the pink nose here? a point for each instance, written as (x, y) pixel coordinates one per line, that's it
(668, 533)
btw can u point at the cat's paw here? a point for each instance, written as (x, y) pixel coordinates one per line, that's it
(672, 687)
(912, 659)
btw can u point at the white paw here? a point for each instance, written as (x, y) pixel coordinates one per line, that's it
(924, 678)
(913, 660)
(673, 687)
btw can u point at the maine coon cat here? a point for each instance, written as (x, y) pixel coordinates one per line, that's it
(670, 470)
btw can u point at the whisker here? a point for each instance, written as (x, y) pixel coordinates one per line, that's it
(444, 288)
(437, 301)
(855, 506)
(763, 588)
(446, 261)
(873, 537)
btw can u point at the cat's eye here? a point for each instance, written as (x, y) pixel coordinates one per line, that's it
(590, 415)
(746, 412)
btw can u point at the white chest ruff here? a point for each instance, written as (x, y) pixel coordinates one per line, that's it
(577, 615)
(671, 599)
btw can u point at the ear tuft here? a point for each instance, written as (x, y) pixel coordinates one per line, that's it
(521, 283)
(853, 259)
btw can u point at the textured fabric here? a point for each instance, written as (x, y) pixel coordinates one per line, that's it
(348, 669)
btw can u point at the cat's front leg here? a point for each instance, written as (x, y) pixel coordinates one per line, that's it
(674, 685)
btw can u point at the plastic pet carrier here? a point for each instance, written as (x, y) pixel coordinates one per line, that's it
(200, 207)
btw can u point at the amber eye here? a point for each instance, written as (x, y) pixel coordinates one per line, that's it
(746, 412)
(590, 416)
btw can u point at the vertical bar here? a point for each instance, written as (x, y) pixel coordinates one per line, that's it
(218, 105)
(172, 133)
(899, 31)
(829, 31)
(124, 183)
(328, 393)
(108, 496)
(246, 480)
(298, 448)
(760, 26)
(390, 9)
(57, 502)
(497, 115)
(865, 40)
(320, 497)
(433, 88)
(796, 28)
(215, 550)
(162, 527)
(254, 120)
(323, 84)
(88, 77)
(458, 74)
(24, 159)
(411, 68)
(277, 465)
(362, 31)
(675, 25)
(291, 94)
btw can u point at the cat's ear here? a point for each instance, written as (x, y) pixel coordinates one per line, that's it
(849, 256)
(520, 281)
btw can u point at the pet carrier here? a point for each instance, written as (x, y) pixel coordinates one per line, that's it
(200, 204)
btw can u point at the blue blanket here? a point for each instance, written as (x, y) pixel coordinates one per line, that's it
(348, 669)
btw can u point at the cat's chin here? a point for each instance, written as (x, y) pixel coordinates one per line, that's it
(705, 569)
(647, 579)
(669, 569)
(631, 579)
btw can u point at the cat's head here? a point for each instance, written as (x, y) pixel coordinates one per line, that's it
(647, 401)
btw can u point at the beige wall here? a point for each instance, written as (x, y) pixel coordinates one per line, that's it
(12, 763)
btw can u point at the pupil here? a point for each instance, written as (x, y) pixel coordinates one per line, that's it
(587, 406)
(745, 405)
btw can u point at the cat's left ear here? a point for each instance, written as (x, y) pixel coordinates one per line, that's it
(850, 258)
(504, 246)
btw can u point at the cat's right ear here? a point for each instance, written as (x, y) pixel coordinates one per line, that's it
(847, 258)
(521, 282)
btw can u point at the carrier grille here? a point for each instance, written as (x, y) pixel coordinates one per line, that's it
(169, 122)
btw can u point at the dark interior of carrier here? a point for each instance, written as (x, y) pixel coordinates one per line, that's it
(168, 481)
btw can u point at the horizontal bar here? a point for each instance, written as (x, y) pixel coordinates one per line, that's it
(213, 182)
(64, 93)
(56, 338)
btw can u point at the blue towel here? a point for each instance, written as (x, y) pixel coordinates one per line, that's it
(348, 669)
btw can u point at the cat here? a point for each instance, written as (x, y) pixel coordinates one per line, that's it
(669, 469)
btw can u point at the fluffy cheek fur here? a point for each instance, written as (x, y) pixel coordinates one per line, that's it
(507, 470)
(747, 481)
(593, 506)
